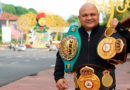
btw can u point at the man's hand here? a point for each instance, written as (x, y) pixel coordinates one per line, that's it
(62, 84)
(118, 45)
(114, 22)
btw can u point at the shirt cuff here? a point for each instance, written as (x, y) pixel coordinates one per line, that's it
(120, 27)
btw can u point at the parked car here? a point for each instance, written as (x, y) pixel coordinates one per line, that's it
(20, 47)
(28, 46)
(52, 48)
(56, 43)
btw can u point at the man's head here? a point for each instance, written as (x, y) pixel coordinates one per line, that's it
(88, 16)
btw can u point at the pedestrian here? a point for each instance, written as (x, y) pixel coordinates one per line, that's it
(79, 54)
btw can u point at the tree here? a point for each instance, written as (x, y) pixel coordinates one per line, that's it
(32, 10)
(26, 22)
(20, 10)
(16, 10)
(56, 21)
(73, 19)
(8, 8)
(61, 23)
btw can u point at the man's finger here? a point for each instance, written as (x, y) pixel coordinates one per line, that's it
(114, 22)
(59, 86)
(62, 84)
(66, 83)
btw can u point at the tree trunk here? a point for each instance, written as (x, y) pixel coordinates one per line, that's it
(27, 38)
(57, 33)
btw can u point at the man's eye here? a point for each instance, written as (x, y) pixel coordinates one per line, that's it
(84, 15)
(93, 14)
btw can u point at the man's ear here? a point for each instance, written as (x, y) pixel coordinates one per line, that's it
(79, 17)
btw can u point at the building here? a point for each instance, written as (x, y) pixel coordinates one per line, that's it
(9, 20)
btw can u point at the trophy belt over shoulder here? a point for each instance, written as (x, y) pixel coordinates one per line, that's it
(107, 46)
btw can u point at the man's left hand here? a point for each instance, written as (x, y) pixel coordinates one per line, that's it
(114, 22)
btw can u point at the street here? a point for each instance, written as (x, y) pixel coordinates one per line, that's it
(18, 64)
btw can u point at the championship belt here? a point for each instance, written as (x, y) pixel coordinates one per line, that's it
(69, 48)
(88, 80)
(107, 79)
(106, 47)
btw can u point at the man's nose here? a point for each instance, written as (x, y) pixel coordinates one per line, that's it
(89, 17)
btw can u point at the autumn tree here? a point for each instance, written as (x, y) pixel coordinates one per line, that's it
(26, 22)
(58, 22)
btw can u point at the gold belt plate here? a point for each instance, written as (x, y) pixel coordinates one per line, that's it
(107, 79)
(88, 80)
(68, 47)
(106, 48)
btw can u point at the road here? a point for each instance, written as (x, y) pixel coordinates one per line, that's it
(18, 64)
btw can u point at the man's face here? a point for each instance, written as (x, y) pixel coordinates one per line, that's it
(89, 17)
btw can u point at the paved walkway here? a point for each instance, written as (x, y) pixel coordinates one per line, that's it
(44, 80)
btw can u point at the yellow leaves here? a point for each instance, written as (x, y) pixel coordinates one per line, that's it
(31, 19)
(26, 21)
(55, 21)
(50, 21)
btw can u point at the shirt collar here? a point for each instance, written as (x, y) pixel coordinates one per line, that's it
(94, 30)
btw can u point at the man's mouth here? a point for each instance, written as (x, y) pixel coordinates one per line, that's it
(89, 22)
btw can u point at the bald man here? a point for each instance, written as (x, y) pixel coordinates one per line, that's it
(90, 71)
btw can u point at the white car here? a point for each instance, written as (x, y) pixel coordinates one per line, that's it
(52, 48)
(20, 47)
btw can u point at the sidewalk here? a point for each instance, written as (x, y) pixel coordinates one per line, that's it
(44, 80)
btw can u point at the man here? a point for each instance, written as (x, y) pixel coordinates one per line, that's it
(90, 71)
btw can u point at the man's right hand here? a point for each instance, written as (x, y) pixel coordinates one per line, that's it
(62, 84)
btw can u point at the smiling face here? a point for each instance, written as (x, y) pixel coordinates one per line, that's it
(41, 21)
(88, 16)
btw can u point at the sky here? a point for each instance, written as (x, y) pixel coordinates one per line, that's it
(64, 8)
